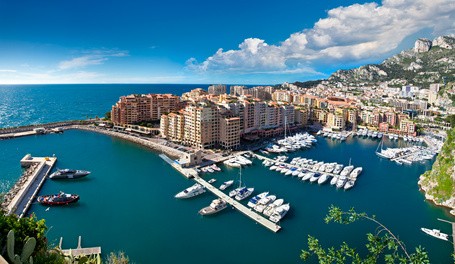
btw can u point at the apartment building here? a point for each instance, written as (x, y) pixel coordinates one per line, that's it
(136, 108)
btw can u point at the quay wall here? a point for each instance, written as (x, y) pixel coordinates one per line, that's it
(9, 130)
(144, 142)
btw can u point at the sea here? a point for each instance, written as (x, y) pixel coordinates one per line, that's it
(127, 203)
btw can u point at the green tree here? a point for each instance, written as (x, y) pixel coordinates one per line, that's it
(107, 115)
(382, 243)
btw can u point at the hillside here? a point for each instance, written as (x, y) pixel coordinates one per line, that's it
(438, 183)
(428, 62)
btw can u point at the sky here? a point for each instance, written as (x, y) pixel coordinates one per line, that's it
(204, 42)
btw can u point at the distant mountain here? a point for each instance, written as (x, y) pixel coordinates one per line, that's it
(428, 62)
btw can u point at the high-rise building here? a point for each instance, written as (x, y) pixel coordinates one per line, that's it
(217, 89)
(136, 108)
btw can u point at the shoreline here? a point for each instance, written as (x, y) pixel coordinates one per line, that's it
(430, 198)
(156, 146)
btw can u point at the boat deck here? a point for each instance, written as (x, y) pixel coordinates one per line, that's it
(237, 205)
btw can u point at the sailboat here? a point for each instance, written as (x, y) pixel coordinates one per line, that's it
(381, 153)
(238, 189)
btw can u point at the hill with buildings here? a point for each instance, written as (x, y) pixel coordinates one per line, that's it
(428, 62)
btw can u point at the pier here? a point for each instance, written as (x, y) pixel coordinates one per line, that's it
(192, 173)
(453, 231)
(79, 251)
(237, 205)
(25, 193)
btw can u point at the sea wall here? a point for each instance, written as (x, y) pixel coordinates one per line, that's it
(155, 145)
(8, 130)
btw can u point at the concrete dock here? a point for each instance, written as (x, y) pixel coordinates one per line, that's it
(79, 251)
(24, 197)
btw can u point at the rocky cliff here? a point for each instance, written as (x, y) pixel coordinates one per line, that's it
(428, 62)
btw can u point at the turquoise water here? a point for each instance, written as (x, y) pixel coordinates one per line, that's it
(128, 203)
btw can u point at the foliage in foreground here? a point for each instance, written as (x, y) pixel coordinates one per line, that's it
(381, 245)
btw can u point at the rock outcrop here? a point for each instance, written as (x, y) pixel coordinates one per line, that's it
(422, 45)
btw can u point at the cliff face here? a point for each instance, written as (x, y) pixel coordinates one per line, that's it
(428, 62)
(439, 183)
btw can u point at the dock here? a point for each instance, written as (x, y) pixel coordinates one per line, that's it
(237, 205)
(453, 231)
(192, 174)
(79, 251)
(26, 193)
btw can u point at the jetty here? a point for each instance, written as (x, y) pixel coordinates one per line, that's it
(192, 174)
(79, 251)
(453, 231)
(243, 209)
(21, 196)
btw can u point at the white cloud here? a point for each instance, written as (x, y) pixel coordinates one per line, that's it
(347, 34)
(94, 57)
(4, 70)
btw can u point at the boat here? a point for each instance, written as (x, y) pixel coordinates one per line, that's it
(262, 204)
(279, 212)
(191, 191)
(323, 178)
(435, 233)
(58, 199)
(226, 184)
(212, 181)
(214, 207)
(268, 211)
(68, 174)
(253, 201)
(244, 193)
(315, 177)
(334, 180)
(349, 184)
(341, 181)
(356, 172)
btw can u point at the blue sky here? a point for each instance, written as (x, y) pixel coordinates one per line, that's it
(245, 42)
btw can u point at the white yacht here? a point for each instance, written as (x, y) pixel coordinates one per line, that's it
(349, 184)
(214, 207)
(279, 213)
(334, 180)
(436, 233)
(268, 211)
(356, 172)
(243, 193)
(226, 184)
(323, 178)
(346, 170)
(307, 176)
(341, 181)
(191, 191)
(337, 169)
(253, 201)
(315, 177)
(262, 204)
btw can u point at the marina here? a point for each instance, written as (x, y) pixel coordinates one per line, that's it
(155, 185)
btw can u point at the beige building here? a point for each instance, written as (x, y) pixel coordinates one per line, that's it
(136, 108)
(229, 132)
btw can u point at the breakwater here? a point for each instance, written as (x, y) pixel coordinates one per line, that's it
(12, 130)
(155, 144)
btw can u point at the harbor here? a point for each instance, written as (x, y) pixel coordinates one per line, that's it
(142, 185)
(22, 195)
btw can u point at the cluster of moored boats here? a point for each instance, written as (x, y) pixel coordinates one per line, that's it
(292, 143)
(332, 135)
(238, 161)
(62, 198)
(370, 134)
(210, 169)
(316, 171)
(268, 205)
(406, 155)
